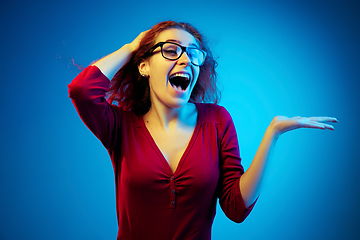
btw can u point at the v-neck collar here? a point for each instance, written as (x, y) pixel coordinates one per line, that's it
(187, 149)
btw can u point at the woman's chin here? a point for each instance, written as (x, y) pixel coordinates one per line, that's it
(177, 103)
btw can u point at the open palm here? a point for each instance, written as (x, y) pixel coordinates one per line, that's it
(284, 124)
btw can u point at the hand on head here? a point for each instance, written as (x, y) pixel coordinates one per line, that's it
(136, 42)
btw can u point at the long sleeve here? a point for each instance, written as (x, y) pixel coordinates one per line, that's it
(230, 198)
(88, 91)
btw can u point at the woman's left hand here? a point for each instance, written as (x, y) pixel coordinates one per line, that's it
(282, 124)
(250, 181)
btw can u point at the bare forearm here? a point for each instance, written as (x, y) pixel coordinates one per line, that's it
(110, 64)
(250, 181)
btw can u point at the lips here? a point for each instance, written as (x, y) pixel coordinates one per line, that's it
(180, 81)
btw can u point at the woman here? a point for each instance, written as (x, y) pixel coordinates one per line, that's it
(173, 156)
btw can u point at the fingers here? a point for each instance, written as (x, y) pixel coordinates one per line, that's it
(319, 119)
(324, 119)
(317, 122)
(142, 34)
(318, 125)
(284, 124)
(136, 42)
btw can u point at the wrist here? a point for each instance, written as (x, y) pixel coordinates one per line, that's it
(273, 129)
(129, 48)
(132, 47)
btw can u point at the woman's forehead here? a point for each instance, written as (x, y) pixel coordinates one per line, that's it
(177, 35)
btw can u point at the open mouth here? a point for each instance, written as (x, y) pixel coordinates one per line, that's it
(180, 81)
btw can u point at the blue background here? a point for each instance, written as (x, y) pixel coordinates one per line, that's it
(292, 58)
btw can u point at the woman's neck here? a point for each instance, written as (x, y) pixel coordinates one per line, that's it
(166, 118)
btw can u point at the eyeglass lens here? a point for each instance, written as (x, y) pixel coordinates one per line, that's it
(172, 52)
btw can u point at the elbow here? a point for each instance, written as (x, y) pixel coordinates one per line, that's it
(236, 212)
(240, 218)
(77, 90)
(80, 85)
(73, 89)
(237, 218)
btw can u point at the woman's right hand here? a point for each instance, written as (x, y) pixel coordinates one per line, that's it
(134, 45)
(110, 64)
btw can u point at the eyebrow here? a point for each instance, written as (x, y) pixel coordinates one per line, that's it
(177, 41)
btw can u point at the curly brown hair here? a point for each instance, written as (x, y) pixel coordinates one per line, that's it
(130, 91)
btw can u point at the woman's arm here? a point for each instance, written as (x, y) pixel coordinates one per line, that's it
(110, 64)
(250, 181)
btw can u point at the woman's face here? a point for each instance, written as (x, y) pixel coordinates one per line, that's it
(165, 88)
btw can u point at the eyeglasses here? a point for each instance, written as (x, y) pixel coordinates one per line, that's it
(173, 51)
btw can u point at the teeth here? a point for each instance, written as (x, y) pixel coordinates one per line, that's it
(178, 86)
(185, 75)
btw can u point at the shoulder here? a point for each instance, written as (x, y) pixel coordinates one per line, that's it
(213, 113)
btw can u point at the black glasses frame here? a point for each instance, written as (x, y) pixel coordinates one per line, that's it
(183, 49)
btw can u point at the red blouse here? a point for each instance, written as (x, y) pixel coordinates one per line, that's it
(152, 202)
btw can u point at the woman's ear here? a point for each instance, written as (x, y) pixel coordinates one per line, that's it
(144, 68)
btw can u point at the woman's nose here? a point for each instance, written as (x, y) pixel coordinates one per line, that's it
(184, 59)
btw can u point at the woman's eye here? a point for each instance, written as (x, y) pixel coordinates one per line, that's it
(170, 51)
